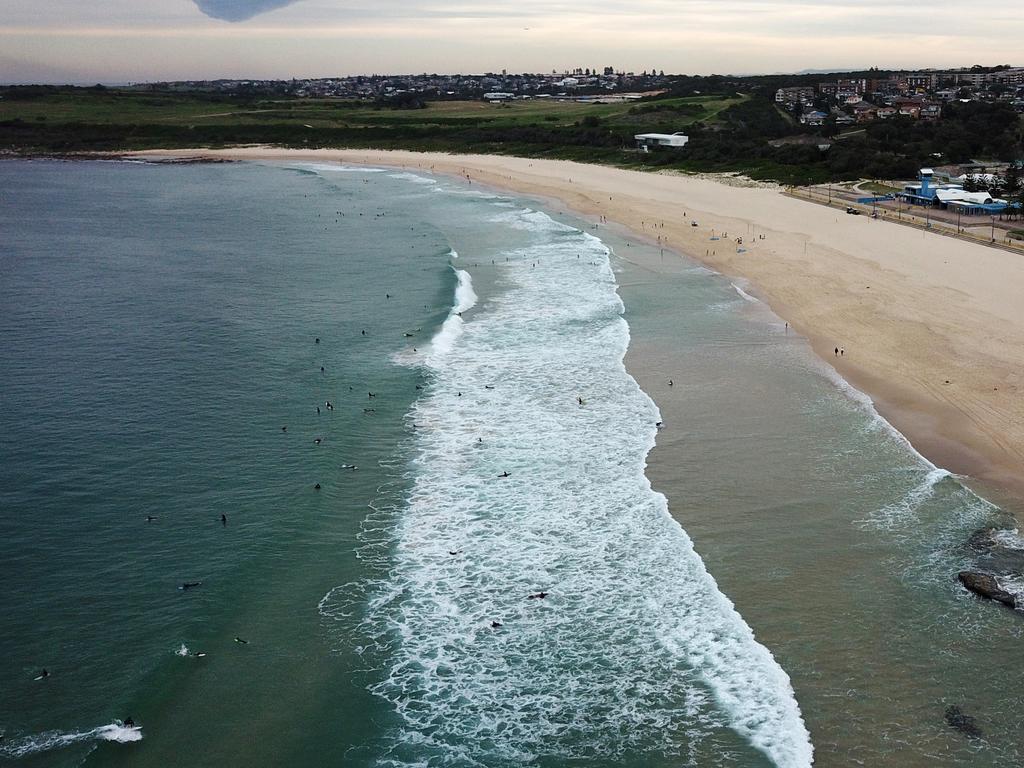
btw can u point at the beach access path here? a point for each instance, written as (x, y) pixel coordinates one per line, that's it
(930, 327)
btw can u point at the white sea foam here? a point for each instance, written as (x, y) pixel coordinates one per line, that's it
(1014, 584)
(744, 294)
(337, 168)
(634, 649)
(903, 512)
(1009, 538)
(43, 742)
(877, 421)
(182, 650)
(465, 299)
(414, 178)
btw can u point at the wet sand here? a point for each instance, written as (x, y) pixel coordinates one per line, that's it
(930, 327)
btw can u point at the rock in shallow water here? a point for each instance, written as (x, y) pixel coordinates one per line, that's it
(961, 722)
(986, 585)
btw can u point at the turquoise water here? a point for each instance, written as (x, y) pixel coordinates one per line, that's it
(160, 327)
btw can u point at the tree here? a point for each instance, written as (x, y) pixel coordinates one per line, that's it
(1011, 180)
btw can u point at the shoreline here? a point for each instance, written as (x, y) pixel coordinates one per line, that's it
(930, 327)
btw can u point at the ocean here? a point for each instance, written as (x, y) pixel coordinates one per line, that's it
(314, 465)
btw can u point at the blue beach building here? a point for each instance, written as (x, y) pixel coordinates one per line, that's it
(927, 192)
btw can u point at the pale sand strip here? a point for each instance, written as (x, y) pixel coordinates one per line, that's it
(911, 309)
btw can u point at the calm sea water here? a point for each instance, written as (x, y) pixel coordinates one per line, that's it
(160, 329)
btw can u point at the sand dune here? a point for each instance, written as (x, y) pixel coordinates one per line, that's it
(932, 328)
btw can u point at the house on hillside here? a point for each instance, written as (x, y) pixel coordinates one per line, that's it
(864, 112)
(911, 109)
(793, 96)
(813, 117)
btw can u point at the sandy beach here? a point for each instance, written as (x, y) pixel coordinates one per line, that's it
(931, 328)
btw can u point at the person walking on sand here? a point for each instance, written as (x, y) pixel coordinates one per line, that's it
(837, 351)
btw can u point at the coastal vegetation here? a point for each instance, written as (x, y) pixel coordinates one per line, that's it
(733, 127)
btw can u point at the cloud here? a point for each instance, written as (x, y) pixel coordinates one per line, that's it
(239, 10)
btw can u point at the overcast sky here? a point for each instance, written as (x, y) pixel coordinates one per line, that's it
(137, 40)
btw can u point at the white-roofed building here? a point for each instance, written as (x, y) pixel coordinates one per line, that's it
(645, 141)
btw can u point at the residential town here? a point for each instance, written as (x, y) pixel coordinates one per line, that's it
(578, 81)
(915, 95)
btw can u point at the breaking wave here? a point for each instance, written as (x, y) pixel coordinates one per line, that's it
(44, 742)
(529, 479)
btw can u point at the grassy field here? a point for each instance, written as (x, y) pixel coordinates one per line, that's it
(879, 188)
(66, 121)
(112, 108)
(729, 132)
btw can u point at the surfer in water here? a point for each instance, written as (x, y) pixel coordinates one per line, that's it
(189, 585)
(128, 722)
(224, 520)
(537, 596)
(240, 640)
(150, 518)
(505, 474)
